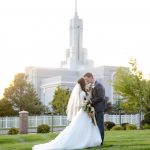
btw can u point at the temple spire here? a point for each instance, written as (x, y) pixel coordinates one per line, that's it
(76, 55)
(76, 11)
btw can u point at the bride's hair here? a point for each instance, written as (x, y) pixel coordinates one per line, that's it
(82, 83)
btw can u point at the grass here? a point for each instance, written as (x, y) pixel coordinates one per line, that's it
(114, 140)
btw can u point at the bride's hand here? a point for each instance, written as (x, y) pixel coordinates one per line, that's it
(91, 114)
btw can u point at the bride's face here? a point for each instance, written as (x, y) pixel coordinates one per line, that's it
(88, 87)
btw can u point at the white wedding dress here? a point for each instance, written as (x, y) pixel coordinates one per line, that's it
(80, 133)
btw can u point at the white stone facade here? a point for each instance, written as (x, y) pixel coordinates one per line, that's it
(46, 80)
(76, 55)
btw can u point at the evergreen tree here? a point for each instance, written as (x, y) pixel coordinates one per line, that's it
(60, 100)
(22, 95)
(6, 108)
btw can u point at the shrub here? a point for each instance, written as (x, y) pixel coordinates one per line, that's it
(117, 127)
(109, 125)
(12, 131)
(124, 125)
(43, 128)
(146, 119)
(131, 127)
(146, 126)
(147, 116)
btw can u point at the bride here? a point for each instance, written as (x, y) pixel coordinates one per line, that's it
(81, 132)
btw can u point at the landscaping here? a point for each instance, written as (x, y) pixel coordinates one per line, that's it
(114, 140)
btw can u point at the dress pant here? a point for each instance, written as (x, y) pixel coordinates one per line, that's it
(100, 123)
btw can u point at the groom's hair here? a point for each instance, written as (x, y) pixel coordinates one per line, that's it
(89, 75)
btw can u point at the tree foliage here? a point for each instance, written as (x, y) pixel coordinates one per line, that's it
(6, 108)
(60, 100)
(22, 95)
(147, 96)
(108, 105)
(131, 87)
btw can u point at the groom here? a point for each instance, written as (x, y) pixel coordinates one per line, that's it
(98, 101)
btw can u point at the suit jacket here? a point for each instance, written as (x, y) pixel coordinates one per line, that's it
(98, 97)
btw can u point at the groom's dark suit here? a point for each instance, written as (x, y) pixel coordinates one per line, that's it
(98, 102)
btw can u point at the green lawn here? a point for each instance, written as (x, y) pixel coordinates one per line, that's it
(114, 140)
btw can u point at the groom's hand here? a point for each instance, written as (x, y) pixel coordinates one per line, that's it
(91, 102)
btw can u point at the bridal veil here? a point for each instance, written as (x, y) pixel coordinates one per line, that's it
(74, 102)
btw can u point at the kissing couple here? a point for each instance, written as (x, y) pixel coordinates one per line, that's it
(86, 103)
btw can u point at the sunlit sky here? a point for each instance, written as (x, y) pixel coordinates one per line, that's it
(36, 33)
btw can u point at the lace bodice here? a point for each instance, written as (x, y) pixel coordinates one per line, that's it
(82, 96)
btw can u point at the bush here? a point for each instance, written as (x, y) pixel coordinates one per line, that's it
(147, 116)
(43, 128)
(146, 119)
(124, 125)
(117, 128)
(12, 131)
(146, 126)
(109, 125)
(131, 127)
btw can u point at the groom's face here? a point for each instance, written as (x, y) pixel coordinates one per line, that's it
(88, 80)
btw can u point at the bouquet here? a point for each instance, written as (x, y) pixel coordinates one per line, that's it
(90, 110)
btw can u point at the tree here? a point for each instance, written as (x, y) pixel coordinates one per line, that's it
(117, 107)
(22, 95)
(147, 96)
(108, 105)
(130, 86)
(60, 100)
(6, 108)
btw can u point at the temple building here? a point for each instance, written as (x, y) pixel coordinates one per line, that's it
(46, 80)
